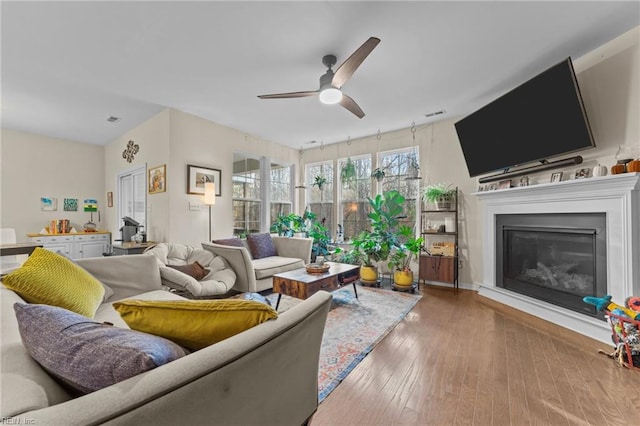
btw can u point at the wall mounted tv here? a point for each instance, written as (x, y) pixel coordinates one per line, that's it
(541, 118)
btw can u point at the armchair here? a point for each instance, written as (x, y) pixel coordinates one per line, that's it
(254, 275)
(174, 259)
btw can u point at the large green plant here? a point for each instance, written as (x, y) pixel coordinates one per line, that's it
(409, 247)
(376, 245)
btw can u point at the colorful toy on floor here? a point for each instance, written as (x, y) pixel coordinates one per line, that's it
(625, 324)
(605, 304)
(633, 303)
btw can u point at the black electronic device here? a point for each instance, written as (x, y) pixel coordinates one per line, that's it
(542, 118)
(129, 221)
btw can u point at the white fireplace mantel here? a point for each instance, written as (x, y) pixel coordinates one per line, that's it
(618, 196)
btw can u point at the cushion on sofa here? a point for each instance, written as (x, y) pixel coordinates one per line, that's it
(261, 245)
(87, 355)
(52, 279)
(234, 242)
(194, 324)
(268, 266)
(195, 270)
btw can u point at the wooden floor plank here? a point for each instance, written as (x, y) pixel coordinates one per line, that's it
(461, 359)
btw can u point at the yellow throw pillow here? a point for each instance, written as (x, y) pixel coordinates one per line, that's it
(51, 279)
(194, 324)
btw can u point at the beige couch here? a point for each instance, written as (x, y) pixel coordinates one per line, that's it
(265, 375)
(253, 275)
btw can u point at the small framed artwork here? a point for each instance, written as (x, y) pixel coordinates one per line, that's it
(198, 175)
(70, 205)
(582, 173)
(503, 184)
(157, 179)
(109, 199)
(48, 203)
(556, 177)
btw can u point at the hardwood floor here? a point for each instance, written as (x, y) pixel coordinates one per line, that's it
(465, 360)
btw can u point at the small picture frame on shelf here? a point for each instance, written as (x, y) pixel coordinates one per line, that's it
(582, 173)
(556, 177)
(504, 184)
(493, 187)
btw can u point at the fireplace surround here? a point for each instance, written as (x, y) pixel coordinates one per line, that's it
(616, 198)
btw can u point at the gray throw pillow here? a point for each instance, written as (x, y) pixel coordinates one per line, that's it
(261, 245)
(86, 355)
(234, 242)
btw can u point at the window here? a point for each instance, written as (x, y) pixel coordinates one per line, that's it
(353, 195)
(132, 195)
(247, 201)
(396, 165)
(281, 196)
(319, 201)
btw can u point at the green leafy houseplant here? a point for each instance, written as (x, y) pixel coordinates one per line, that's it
(378, 174)
(319, 181)
(400, 259)
(440, 194)
(348, 171)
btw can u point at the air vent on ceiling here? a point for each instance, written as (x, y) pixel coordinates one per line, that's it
(431, 114)
(113, 119)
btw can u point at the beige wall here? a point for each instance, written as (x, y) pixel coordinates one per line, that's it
(177, 139)
(34, 166)
(609, 79)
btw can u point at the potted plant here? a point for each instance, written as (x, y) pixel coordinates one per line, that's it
(375, 245)
(378, 174)
(400, 259)
(414, 167)
(439, 194)
(319, 181)
(348, 171)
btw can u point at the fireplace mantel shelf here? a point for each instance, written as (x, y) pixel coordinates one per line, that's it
(618, 196)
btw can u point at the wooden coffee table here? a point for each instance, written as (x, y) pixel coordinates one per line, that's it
(301, 284)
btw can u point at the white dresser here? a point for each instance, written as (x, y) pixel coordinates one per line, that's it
(75, 246)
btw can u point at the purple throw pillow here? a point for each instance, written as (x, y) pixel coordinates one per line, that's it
(261, 245)
(235, 242)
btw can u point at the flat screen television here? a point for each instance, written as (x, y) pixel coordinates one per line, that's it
(541, 118)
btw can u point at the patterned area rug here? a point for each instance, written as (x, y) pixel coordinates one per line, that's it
(354, 327)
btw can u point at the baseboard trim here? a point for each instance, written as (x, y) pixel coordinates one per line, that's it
(590, 327)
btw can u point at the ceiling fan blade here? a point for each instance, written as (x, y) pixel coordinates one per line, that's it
(348, 67)
(289, 95)
(351, 105)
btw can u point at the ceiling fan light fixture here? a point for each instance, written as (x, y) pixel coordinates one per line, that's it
(330, 96)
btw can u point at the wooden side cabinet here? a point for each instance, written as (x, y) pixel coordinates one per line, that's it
(437, 268)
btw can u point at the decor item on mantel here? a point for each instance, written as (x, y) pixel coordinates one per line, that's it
(439, 194)
(130, 151)
(599, 170)
(624, 155)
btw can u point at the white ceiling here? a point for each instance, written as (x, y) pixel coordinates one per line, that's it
(68, 66)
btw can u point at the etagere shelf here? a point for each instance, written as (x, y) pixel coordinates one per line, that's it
(439, 257)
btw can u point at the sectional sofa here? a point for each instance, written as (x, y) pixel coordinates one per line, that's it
(264, 375)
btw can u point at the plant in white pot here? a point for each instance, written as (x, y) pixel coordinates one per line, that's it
(439, 194)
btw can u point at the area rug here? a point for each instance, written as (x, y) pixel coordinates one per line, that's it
(354, 327)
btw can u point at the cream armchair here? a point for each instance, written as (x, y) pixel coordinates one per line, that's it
(254, 275)
(216, 278)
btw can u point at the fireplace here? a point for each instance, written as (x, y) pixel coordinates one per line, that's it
(557, 258)
(615, 199)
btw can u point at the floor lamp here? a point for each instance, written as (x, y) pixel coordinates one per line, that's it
(209, 200)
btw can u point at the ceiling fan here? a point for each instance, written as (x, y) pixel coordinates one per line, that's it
(331, 83)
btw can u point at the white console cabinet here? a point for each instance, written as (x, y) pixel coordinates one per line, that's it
(75, 246)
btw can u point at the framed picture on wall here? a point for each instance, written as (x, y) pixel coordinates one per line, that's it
(157, 179)
(198, 175)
